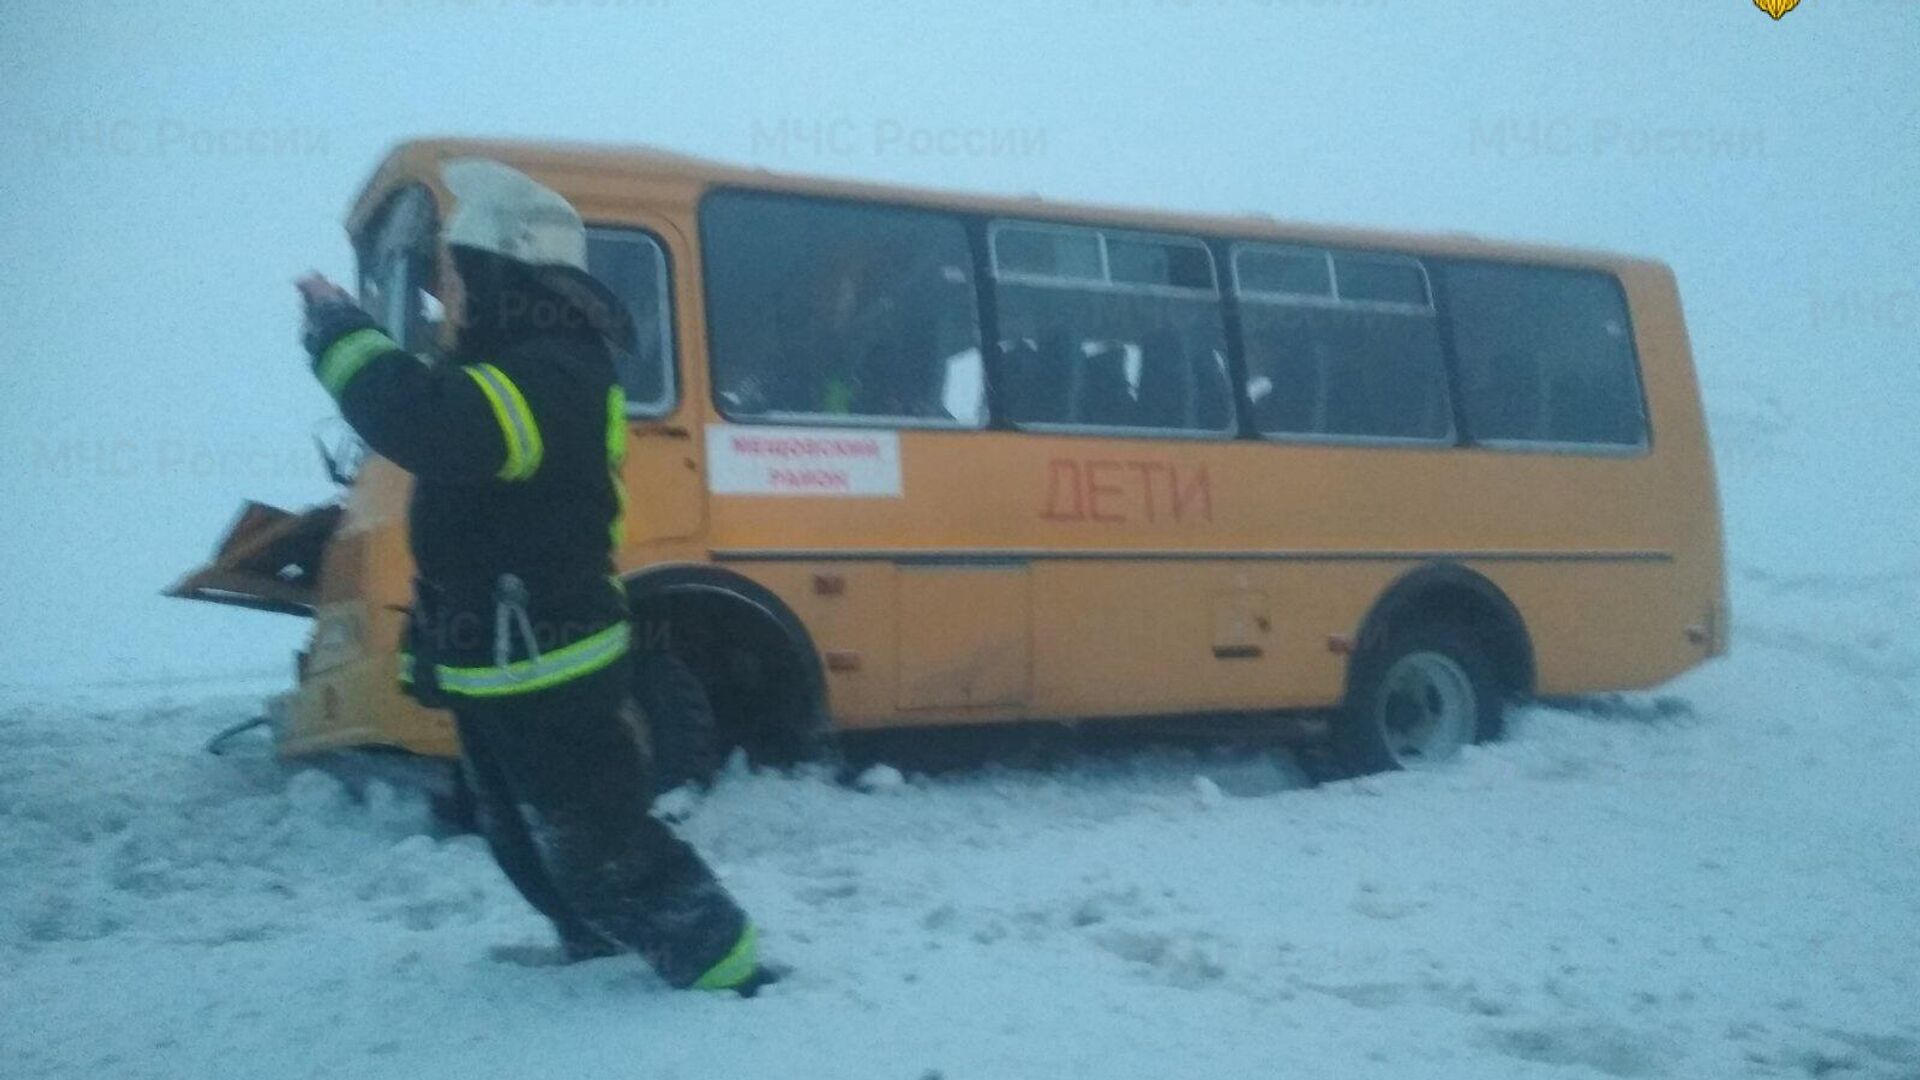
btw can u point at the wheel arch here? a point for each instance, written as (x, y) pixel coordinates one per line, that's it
(739, 597)
(1458, 594)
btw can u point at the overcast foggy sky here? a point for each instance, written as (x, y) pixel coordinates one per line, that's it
(145, 294)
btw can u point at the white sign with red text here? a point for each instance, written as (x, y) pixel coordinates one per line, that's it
(847, 463)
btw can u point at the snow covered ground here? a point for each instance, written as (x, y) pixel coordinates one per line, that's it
(1725, 889)
(1728, 889)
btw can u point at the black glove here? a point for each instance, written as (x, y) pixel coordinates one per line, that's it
(330, 320)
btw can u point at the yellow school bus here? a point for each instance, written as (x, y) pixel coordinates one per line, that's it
(905, 459)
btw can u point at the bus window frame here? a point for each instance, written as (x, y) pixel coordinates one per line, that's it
(1426, 280)
(670, 325)
(1236, 247)
(1231, 431)
(985, 422)
(774, 418)
(1455, 436)
(1643, 449)
(995, 226)
(841, 419)
(415, 262)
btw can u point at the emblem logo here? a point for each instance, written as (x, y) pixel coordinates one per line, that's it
(1776, 8)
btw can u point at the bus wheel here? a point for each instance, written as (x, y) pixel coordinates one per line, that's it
(1416, 700)
(682, 737)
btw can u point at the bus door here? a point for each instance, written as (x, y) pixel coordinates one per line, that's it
(661, 469)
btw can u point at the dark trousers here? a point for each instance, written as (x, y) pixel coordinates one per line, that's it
(560, 787)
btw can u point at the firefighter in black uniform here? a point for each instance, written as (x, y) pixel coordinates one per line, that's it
(518, 625)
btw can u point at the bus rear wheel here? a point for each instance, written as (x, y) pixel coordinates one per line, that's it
(1416, 700)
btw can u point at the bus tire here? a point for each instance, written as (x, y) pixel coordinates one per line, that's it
(683, 739)
(1416, 699)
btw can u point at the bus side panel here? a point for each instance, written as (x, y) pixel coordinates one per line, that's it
(1139, 637)
(1600, 626)
(1301, 539)
(1131, 639)
(963, 637)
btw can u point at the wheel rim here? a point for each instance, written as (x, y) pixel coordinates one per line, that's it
(1427, 710)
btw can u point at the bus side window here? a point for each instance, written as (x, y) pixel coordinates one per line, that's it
(828, 312)
(1341, 346)
(1126, 330)
(1546, 356)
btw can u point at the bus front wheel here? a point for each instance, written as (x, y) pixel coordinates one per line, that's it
(1417, 699)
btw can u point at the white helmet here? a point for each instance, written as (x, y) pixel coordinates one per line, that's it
(504, 212)
(501, 210)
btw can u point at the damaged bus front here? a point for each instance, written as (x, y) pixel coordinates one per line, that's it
(344, 563)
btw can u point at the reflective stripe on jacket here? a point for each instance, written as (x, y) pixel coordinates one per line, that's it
(578, 660)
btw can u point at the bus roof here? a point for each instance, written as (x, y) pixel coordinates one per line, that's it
(582, 170)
